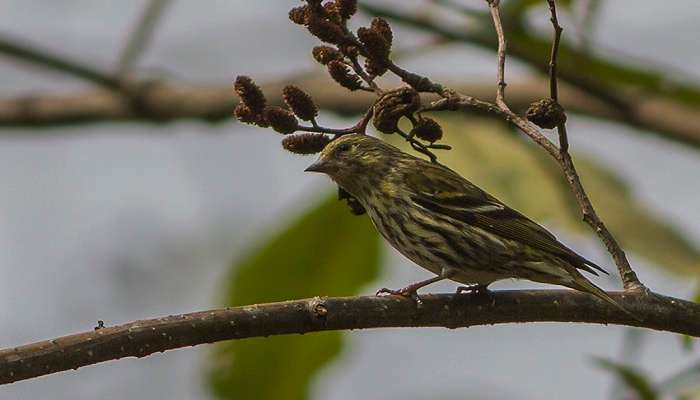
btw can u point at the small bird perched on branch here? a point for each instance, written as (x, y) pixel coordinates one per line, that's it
(446, 224)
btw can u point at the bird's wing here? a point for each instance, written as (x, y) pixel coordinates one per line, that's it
(445, 192)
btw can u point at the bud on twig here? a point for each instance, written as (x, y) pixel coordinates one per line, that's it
(325, 30)
(301, 103)
(377, 47)
(375, 67)
(299, 15)
(244, 114)
(305, 143)
(427, 129)
(332, 13)
(382, 27)
(393, 105)
(546, 113)
(281, 120)
(339, 72)
(326, 54)
(349, 50)
(346, 8)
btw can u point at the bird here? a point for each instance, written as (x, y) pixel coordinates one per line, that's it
(446, 224)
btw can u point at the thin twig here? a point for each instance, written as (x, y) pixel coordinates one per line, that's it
(24, 51)
(629, 278)
(141, 36)
(360, 127)
(501, 53)
(553, 86)
(144, 337)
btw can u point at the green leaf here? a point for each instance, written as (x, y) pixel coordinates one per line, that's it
(519, 173)
(634, 379)
(327, 251)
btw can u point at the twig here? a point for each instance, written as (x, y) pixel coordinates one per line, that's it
(141, 338)
(27, 52)
(562, 156)
(630, 280)
(139, 39)
(553, 88)
(501, 53)
(360, 127)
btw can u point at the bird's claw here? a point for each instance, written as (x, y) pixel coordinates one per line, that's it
(403, 292)
(475, 289)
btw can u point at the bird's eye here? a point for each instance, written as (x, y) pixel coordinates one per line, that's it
(344, 147)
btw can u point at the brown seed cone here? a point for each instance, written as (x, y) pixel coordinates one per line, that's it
(382, 27)
(250, 94)
(326, 54)
(325, 30)
(305, 143)
(392, 106)
(339, 72)
(332, 12)
(375, 44)
(300, 102)
(427, 129)
(546, 113)
(376, 67)
(244, 114)
(349, 50)
(281, 120)
(346, 8)
(299, 15)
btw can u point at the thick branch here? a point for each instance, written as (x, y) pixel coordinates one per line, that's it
(141, 338)
(169, 101)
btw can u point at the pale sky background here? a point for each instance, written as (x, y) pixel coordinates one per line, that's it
(126, 221)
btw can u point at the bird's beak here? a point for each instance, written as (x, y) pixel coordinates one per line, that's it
(318, 166)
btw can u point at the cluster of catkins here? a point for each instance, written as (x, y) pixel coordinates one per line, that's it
(253, 109)
(341, 55)
(328, 22)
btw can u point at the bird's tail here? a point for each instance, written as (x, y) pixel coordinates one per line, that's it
(584, 285)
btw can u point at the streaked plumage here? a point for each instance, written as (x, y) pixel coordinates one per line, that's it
(446, 224)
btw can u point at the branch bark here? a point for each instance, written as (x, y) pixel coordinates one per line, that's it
(145, 337)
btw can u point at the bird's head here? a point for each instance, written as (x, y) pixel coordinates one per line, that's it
(356, 162)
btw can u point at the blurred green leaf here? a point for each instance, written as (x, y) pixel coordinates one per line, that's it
(327, 251)
(635, 380)
(520, 174)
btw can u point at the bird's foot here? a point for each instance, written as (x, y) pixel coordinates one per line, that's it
(408, 292)
(475, 289)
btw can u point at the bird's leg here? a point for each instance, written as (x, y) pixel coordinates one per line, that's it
(411, 290)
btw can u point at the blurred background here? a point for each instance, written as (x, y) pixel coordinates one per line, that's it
(120, 216)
